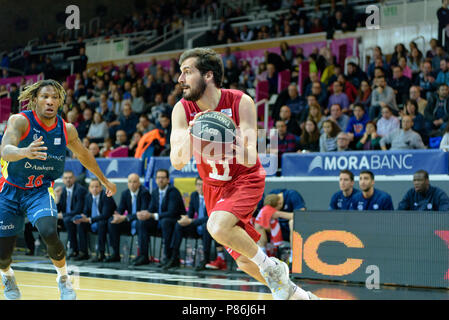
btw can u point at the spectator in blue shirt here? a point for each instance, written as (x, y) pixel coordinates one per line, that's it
(342, 199)
(291, 201)
(370, 198)
(423, 196)
(443, 75)
(357, 124)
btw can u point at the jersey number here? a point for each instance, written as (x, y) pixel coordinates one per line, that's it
(34, 183)
(214, 174)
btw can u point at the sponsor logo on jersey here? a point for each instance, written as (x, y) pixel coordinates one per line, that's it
(57, 141)
(227, 112)
(38, 131)
(35, 136)
(58, 158)
(6, 227)
(39, 168)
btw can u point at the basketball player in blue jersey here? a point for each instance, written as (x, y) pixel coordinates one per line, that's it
(32, 156)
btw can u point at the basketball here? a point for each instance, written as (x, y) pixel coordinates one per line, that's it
(213, 134)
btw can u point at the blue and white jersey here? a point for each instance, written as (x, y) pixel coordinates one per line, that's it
(380, 200)
(340, 202)
(33, 173)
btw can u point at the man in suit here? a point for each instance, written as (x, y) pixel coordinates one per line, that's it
(166, 206)
(70, 204)
(132, 201)
(192, 225)
(98, 208)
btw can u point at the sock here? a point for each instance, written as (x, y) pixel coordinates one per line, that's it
(220, 254)
(61, 271)
(9, 272)
(262, 260)
(264, 250)
(299, 294)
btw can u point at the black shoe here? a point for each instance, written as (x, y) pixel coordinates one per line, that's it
(82, 256)
(73, 254)
(98, 258)
(140, 261)
(113, 258)
(173, 263)
(201, 266)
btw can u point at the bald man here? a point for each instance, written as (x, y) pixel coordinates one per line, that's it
(133, 200)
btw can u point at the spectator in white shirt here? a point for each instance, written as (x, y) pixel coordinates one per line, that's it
(387, 123)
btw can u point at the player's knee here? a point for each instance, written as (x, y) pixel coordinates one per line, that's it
(48, 230)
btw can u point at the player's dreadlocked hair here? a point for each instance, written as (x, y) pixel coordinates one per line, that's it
(30, 92)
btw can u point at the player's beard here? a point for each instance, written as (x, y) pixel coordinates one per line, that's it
(196, 92)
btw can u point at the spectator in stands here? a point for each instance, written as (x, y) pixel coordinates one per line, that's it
(134, 199)
(166, 206)
(295, 101)
(309, 140)
(286, 142)
(159, 107)
(291, 200)
(382, 96)
(71, 203)
(14, 94)
(84, 126)
(144, 124)
(94, 149)
(133, 143)
(355, 75)
(338, 117)
(387, 123)
(415, 94)
(98, 208)
(348, 87)
(137, 104)
(315, 115)
(433, 43)
(151, 88)
(121, 139)
(414, 61)
(370, 198)
(107, 148)
(356, 124)
(441, 54)
(308, 84)
(343, 142)
(370, 139)
(49, 69)
(292, 124)
(246, 34)
(272, 78)
(247, 77)
(342, 200)
(193, 224)
(399, 51)
(443, 21)
(423, 196)
(287, 54)
(337, 71)
(98, 130)
(419, 125)
(81, 62)
(363, 96)
(338, 97)
(436, 113)
(403, 139)
(400, 84)
(231, 74)
(328, 139)
(426, 80)
(443, 75)
(267, 220)
(444, 145)
(128, 120)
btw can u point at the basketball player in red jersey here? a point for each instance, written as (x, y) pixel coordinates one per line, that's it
(232, 186)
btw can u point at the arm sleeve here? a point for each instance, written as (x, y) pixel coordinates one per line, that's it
(332, 204)
(404, 204)
(443, 201)
(175, 205)
(388, 203)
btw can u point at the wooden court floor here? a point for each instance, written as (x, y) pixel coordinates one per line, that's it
(43, 286)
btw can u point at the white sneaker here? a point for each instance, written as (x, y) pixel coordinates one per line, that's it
(278, 280)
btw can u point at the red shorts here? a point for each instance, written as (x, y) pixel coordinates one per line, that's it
(240, 197)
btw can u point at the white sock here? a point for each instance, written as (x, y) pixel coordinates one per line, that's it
(299, 294)
(220, 254)
(61, 271)
(9, 272)
(264, 250)
(262, 260)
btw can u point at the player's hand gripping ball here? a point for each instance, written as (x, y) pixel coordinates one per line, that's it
(213, 134)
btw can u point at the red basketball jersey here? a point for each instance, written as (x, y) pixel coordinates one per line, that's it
(220, 173)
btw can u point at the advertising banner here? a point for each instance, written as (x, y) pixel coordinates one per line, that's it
(392, 162)
(382, 247)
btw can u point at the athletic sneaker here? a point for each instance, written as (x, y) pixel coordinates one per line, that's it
(11, 290)
(66, 289)
(312, 296)
(278, 281)
(217, 264)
